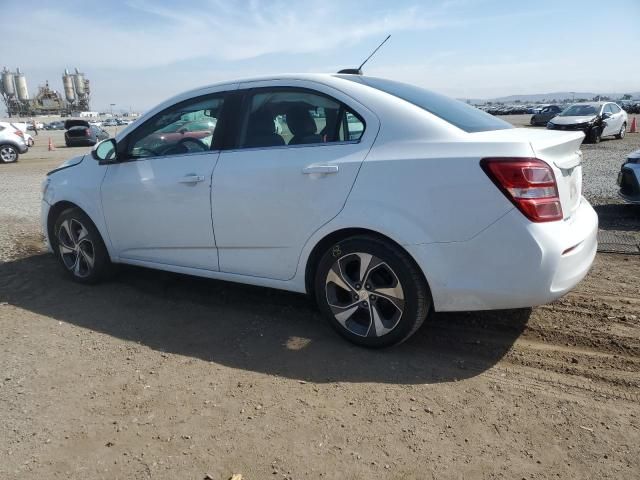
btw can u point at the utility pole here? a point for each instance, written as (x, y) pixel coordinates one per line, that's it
(112, 105)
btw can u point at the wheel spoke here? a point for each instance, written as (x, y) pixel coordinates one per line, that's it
(338, 279)
(87, 258)
(76, 266)
(345, 315)
(365, 261)
(64, 250)
(376, 321)
(65, 237)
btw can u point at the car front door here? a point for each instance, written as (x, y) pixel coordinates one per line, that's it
(157, 199)
(297, 156)
(609, 123)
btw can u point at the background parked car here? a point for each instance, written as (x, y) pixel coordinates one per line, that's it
(57, 125)
(629, 179)
(12, 143)
(80, 134)
(595, 119)
(546, 114)
(110, 122)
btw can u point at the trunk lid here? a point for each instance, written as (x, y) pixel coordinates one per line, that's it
(560, 150)
(75, 123)
(562, 153)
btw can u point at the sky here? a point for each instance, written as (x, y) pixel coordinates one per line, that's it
(139, 52)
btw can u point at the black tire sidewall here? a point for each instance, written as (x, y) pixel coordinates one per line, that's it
(414, 288)
(595, 135)
(102, 262)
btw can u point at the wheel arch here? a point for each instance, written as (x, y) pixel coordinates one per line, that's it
(342, 234)
(57, 208)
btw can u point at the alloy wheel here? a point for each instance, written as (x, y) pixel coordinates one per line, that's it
(364, 294)
(76, 249)
(8, 154)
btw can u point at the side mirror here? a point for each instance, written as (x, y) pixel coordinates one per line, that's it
(105, 152)
(606, 115)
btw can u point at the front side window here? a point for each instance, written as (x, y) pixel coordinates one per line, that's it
(281, 117)
(614, 108)
(187, 127)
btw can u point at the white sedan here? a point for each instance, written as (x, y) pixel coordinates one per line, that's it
(382, 200)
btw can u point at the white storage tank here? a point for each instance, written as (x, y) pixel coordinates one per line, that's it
(79, 81)
(21, 86)
(8, 86)
(67, 83)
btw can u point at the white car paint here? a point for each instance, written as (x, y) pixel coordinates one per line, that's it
(255, 216)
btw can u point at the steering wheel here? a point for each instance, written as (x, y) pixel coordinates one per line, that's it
(153, 153)
(196, 141)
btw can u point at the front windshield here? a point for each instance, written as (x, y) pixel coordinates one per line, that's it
(579, 111)
(463, 116)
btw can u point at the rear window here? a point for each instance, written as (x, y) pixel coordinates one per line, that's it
(459, 114)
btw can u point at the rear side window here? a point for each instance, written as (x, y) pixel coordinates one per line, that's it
(459, 114)
(288, 116)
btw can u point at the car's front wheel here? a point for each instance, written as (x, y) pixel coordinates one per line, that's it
(595, 135)
(371, 291)
(8, 154)
(623, 130)
(79, 247)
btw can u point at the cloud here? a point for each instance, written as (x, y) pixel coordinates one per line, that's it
(214, 30)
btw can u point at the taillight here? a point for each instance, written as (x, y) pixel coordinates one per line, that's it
(20, 133)
(87, 132)
(529, 184)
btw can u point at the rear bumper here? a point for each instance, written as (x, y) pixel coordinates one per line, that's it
(80, 142)
(513, 263)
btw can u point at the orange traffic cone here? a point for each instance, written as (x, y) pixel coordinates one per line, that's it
(51, 147)
(634, 127)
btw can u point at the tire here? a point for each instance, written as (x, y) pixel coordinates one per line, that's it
(595, 135)
(8, 153)
(623, 130)
(533, 121)
(79, 247)
(391, 305)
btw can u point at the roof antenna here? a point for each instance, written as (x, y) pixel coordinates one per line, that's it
(358, 71)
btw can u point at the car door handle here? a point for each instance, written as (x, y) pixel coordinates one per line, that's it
(192, 178)
(323, 169)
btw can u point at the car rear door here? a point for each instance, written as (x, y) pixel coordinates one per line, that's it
(287, 175)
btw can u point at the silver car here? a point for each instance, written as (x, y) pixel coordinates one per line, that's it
(12, 143)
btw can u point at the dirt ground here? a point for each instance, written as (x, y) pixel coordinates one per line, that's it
(157, 375)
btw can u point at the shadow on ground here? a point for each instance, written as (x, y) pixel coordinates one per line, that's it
(254, 329)
(618, 216)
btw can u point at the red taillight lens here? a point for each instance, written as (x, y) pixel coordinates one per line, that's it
(529, 184)
(20, 133)
(87, 132)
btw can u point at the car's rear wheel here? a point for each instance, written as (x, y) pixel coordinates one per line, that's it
(79, 247)
(623, 130)
(8, 154)
(371, 291)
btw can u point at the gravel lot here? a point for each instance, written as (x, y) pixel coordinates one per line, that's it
(161, 376)
(601, 162)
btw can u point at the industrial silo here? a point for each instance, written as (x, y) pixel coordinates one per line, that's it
(67, 83)
(79, 81)
(8, 86)
(21, 86)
